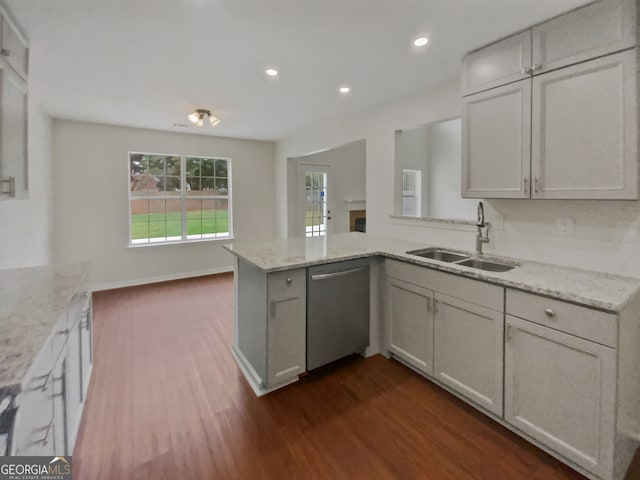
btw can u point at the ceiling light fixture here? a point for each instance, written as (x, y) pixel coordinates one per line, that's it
(272, 72)
(420, 41)
(344, 90)
(200, 115)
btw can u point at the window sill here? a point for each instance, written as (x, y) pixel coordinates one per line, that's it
(181, 242)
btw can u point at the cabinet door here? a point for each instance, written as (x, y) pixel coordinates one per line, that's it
(589, 32)
(86, 348)
(73, 382)
(286, 326)
(496, 142)
(503, 62)
(560, 390)
(13, 105)
(468, 350)
(584, 135)
(33, 425)
(14, 50)
(59, 394)
(410, 323)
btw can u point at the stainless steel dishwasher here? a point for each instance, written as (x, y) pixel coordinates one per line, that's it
(337, 311)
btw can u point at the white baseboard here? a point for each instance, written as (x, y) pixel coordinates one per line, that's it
(161, 278)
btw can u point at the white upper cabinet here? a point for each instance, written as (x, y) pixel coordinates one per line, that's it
(584, 135)
(496, 142)
(569, 131)
(503, 62)
(13, 118)
(598, 29)
(14, 49)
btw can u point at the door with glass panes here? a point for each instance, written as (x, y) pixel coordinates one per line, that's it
(316, 199)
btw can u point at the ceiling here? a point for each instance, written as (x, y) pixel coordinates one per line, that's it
(148, 63)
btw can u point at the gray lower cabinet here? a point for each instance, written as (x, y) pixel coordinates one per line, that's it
(468, 350)
(560, 390)
(455, 337)
(410, 323)
(33, 425)
(286, 325)
(270, 325)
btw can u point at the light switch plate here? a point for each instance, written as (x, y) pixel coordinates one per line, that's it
(564, 226)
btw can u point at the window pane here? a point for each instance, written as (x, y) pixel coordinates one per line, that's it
(139, 231)
(208, 184)
(221, 186)
(156, 165)
(208, 208)
(194, 226)
(207, 167)
(139, 211)
(157, 230)
(172, 166)
(174, 230)
(159, 219)
(221, 168)
(156, 210)
(193, 167)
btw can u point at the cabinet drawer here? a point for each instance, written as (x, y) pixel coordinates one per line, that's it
(290, 283)
(474, 291)
(566, 317)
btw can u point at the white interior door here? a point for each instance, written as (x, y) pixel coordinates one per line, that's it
(316, 200)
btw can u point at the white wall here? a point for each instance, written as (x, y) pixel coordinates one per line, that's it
(606, 236)
(25, 225)
(445, 173)
(91, 194)
(348, 168)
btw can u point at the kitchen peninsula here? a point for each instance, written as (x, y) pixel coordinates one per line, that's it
(548, 351)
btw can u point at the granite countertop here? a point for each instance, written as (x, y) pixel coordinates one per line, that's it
(584, 287)
(31, 302)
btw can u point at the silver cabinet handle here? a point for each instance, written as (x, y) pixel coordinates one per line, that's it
(327, 276)
(536, 183)
(428, 304)
(11, 181)
(526, 185)
(5, 52)
(536, 67)
(526, 71)
(509, 332)
(45, 438)
(43, 386)
(289, 280)
(63, 332)
(549, 312)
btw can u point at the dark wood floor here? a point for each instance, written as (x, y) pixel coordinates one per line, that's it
(167, 402)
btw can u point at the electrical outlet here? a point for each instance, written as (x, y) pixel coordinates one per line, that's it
(564, 226)
(497, 221)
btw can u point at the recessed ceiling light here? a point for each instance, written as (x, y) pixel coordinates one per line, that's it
(272, 72)
(421, 41)
(344, 90)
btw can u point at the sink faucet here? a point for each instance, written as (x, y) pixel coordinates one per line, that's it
(480, 238)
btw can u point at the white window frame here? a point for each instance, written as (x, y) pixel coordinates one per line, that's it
(415, 194)
(183, 199)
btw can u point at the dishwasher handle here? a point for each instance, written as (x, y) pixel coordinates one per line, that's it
(327, 276)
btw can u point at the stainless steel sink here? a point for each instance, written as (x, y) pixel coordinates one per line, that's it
(439, 254)
(486, 265)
